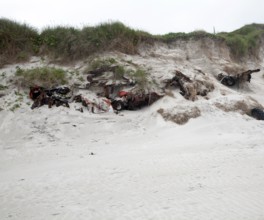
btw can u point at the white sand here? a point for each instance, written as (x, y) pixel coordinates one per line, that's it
(142, 167)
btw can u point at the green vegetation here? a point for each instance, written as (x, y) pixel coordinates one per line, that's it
(2, 87)
(44, 76)
(61, 42)
(3, 75)
(99, 63)
(195, 35)
(19, 96)
(119, 71)
(69, 43)
(80, 78)
(105, 63)
(113, 36)
(19, 41)
(14, 107)
(244, 41)
(140, 76)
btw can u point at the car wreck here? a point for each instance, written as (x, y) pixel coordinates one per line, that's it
(98, 105)
(122, 90)
(55, 96)
(106, 81)
(133, 101)
(189, 88)
(231, 80)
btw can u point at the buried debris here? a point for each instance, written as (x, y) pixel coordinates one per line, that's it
(243, 77)
(125, 100)
(179, 116)
(249, 107)
(190, 88)
(110, 82)
(133, 101)
(95, 105)
(101, 70)
(240, 106)
(257, 113)
(56, 96)
(107, 81)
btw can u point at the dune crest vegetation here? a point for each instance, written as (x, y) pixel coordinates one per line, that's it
(18, 42)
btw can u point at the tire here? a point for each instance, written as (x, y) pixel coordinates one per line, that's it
(118, 105)
(257, 113)
(230, 81)
(131, 106)
(63, 90)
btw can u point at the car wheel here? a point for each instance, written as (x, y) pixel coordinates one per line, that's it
(230, 81)
(118, 105)
(257, 113)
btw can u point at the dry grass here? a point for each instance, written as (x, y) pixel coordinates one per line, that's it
(67, 44)
(180, 117)
(233, 69)
(242, 106)
(169, 93)
(239, 106)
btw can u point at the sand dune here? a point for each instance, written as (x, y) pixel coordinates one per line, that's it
(62, 164)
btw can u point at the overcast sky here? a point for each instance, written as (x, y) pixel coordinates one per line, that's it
(154, 16)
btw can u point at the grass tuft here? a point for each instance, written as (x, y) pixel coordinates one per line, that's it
(2, 87)
(17, 41)
(61, 42)
(140, 76)
(100, 63)
(244, 41)
(42, 76)
(71, 44)
(195, 35)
